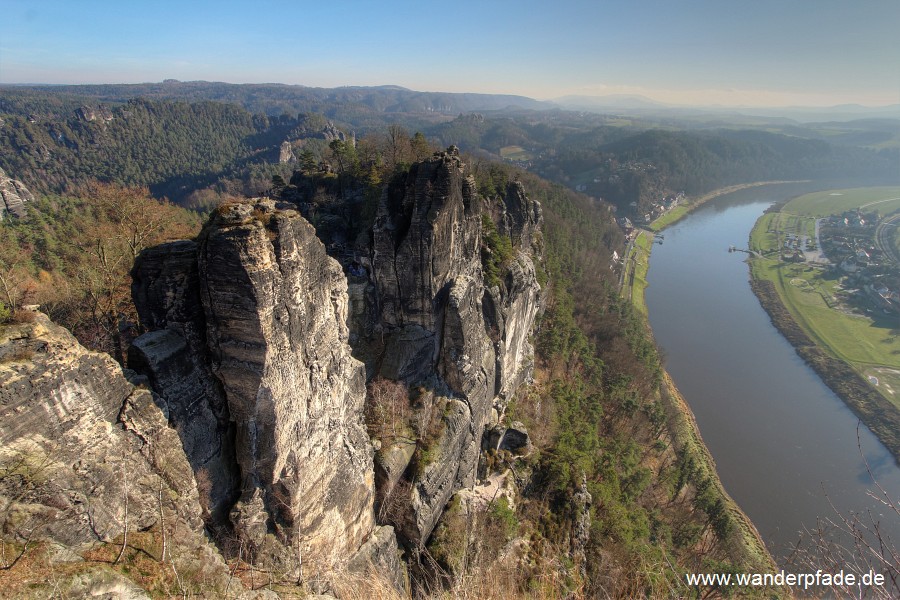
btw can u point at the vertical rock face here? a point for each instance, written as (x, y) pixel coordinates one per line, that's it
(442, 326)
(512, 313)
(522, 216)
(286, 153)
(13, 196)
(427, 232)
(276, 311)
(166, 293)
(249, 349)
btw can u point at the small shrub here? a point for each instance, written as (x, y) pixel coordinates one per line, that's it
(23, 316)
(496, 252)
(505, 517)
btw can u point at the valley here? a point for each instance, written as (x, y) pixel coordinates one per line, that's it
(388, 340)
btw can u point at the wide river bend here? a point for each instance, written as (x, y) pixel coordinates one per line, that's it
(784, 444)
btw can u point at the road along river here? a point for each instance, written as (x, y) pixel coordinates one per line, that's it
(784, 444)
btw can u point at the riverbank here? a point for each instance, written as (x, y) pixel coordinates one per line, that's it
(689, 444)
(873, 409)
(811, 306)
(636, 265)
(683, 210)
(739, 534)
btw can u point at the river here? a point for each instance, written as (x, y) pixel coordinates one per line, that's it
(784, 444)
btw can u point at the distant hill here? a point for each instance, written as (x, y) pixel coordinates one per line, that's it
(641, 105)
(609, 102)
(356, 106)
(181, 137)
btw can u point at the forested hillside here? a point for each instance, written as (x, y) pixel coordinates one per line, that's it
(360, 107)
(72, 255)
(625, 160)
(173, 147)
(180, 138)
(611, 501)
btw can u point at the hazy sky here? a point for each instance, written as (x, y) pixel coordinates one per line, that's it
(734, 52)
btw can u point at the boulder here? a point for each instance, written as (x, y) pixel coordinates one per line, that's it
(13, 196)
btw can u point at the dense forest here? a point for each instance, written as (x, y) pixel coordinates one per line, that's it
(362, 108)
(214, 140)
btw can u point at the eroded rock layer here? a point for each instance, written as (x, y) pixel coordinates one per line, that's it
(250, 350)
(443, 327)
(276, 313)
(86, 457)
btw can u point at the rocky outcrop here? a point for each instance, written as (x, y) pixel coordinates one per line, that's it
(250, 326)
(427, 233)
(520, 217)
(442, 327)
(330, 133)
(512, 312)
(85, 455)
(166, 292)
(248, 350)
(13, 196)
(513, 438)
(90, 113)
(286, 153)
(276, 312)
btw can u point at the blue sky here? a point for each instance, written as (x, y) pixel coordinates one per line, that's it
(732, 52)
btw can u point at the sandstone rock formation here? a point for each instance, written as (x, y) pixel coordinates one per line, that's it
(276, 311)
(85, 456)
(286, 153)
(248, 350)
(249, 344)
(443, 327)
(255, 424)
(173, 355)
(13, 196)
(90, 113)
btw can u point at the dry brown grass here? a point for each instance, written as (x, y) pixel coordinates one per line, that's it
(22, 315)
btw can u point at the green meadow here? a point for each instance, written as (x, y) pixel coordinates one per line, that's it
(640, 263)
(883, 200)
(811, 294)
(514, 153)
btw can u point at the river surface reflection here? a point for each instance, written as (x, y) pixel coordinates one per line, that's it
(785, 445)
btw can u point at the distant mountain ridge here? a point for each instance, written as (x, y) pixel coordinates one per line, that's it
(647, 106)
(276, 98)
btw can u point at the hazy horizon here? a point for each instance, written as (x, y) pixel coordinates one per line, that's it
(696, 53)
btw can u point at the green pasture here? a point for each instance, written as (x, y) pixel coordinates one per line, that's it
(884, 200)
(671, 216)
(514, 153)
(637, 264)
(810, 294)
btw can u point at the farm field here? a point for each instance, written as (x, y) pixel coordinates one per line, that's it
(883, 200)
(514, 153)
(813, 295)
